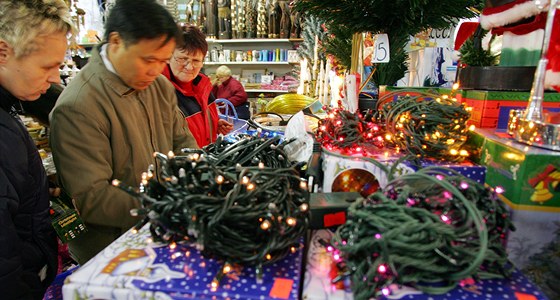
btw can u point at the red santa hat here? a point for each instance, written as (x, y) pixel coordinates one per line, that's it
(494, 17)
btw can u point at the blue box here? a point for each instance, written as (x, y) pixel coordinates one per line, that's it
(466, 168)
(133, 267)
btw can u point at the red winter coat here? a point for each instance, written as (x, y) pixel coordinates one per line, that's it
(231, 90)
(197, 103)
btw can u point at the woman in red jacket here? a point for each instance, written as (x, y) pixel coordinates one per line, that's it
(231, 89)
(194, 89)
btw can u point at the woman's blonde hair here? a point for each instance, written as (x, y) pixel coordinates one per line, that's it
(22, 21)
(223, 71)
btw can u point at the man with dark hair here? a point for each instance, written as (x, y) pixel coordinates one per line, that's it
(33, 41)
(113, 116)
(194, 89)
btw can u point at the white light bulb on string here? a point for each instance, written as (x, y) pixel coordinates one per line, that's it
(291, 221)
(265, 225)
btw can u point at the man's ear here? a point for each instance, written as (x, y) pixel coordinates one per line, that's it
(5, 52)
(115, 39)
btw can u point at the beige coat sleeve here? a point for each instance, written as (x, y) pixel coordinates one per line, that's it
(83, 158)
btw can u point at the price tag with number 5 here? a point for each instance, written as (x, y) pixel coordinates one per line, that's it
(381, 49)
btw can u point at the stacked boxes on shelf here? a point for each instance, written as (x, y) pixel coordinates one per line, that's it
(491, 108)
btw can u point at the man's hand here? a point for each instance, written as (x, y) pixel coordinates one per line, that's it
(224, 127)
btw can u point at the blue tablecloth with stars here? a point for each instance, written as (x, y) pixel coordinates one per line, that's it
(319, 271)
(134, 267)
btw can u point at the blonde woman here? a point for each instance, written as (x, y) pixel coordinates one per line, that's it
(231, 89)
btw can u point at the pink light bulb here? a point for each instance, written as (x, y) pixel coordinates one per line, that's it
(385, 291)
(499, 190)
(464, 185)
(382, 269)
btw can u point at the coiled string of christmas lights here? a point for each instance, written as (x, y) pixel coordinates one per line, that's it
(240, 202)
(426, 124)
(349, 132)
(428, 230)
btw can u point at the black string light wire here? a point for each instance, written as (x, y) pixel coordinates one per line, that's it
(428, 230)
(242, 201)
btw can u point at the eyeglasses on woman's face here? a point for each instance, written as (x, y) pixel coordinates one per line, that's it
(185, 61)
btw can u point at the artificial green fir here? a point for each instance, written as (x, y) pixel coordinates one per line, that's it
(311, 30)
(473, 54)
(398, 19)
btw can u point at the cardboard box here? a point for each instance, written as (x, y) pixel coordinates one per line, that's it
(342, 173)
(529, 175)
(415, 91)
(531, 179)
(491, 108)
(133, 267)
(366, 176)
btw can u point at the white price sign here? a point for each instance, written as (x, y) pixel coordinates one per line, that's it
(381, 49)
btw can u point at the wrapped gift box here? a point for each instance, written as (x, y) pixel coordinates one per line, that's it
(409, 91)
(531, 179)
(358, 174)
(466, 168)
(320, 270)
(529, 175)
(491, 108)
(133, 267)
(343, 173)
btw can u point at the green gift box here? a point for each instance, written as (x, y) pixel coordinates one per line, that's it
(529, 175)
(531, 179)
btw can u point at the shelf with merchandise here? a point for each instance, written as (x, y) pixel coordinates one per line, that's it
(251, 41)
(219, 63)
(266, 91)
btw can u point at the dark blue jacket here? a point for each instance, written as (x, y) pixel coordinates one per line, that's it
(27, 239)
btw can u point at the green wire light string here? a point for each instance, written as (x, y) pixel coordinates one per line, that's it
(349, 133)
(241, 202)
(428, 230)
(424, 124)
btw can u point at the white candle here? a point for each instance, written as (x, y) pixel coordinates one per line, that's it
(326, 99)
(319, 82)
(302, 74)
